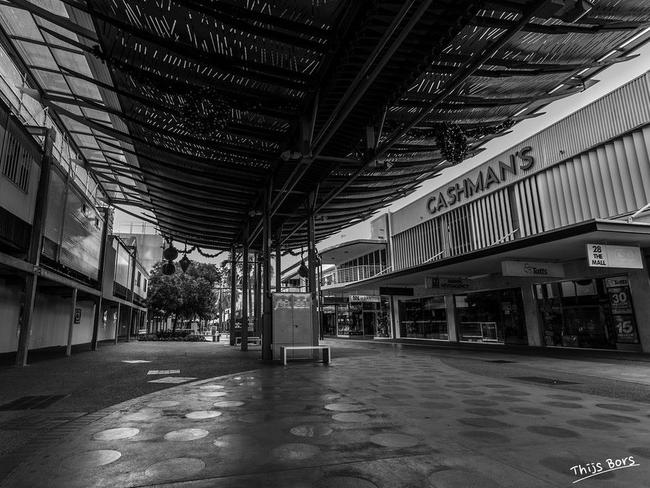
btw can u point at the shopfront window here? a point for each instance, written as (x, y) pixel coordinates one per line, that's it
(423, 318)
(591, 313)
(495, 316)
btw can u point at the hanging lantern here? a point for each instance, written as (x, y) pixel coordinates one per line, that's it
(303, 270)
(168, 268)
(185, 263)
(170, 253)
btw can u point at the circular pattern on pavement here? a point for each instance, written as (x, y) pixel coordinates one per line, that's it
(344, 407)
(479, 402)
(351, 417)
(344, 482)
(211, 387)
(394, 440)
(529, 410)
(612, 417)
(563, 404)
(203, 414)
(484, 423)
(311, 431)
(185, 435)
(173, 469)
(552, 431)
(228, 404)
(213, 393)
(566, 397)
(144, 414)
(592, 424)
(114, 434)
(163, 404)
(295, 452)
(486, 412)
(485, 436)
(617, 406)
(91, 459)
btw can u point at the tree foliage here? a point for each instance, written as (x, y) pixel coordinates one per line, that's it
(188, 295)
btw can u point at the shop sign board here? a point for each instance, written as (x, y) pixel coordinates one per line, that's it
(609, 256)
(77, 315)
(532, 268)
(446, 282)
(620, 302)
(392, 290)
(365, 298)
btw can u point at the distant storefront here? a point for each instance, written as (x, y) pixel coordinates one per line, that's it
(357, 316)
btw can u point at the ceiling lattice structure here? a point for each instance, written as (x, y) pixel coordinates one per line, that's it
(200, 111)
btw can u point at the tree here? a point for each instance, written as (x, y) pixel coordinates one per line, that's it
(188, 295)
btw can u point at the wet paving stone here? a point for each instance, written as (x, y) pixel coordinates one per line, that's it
(571, 398)
(549, 431)
(234, 443)
(115, 434)
(211, 387)
(612, 417)
(91, 459)
(484, 423)
(185, 435)
(513, 393)
(203, 414)
(295, 452)
(643, 451)
(351, 417)
(529, 410)
(460, 478)
(174, 469)
(228, 404)
(394, 440)
(479, 402)
(592, 424)
(163, 404)
(213, 394)
(344, 482)
(311, 431)
(437, 405)
(143, 415)
(506, 398)
(563, 404)
(486, 412)
(617, 407)
(485, 436)
(345, 407)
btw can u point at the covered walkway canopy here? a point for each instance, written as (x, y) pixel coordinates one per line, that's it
(207, 113)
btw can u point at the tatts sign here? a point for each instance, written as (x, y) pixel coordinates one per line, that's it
(521, 160)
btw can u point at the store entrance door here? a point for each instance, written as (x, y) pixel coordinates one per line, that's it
(369, 322)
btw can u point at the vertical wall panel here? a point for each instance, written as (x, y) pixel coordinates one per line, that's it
(602, 156)
(629, 153)
(624, 174)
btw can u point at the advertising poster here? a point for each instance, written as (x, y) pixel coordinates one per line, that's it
(620, 303)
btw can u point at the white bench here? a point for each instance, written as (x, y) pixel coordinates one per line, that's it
(325, 349)
(254, 340)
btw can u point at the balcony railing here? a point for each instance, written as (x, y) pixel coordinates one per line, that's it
(352, 274)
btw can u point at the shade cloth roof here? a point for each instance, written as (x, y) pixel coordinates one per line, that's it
(206, 112)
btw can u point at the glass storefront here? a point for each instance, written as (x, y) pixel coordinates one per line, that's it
(591, 313)
(495, 316)
(366, 319)
(423, 318)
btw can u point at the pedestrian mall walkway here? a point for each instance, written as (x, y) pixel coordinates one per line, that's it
(379, 416)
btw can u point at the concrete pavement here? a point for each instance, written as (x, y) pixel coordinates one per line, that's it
(378, 416)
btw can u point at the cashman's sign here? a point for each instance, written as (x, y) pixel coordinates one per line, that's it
(521, 160)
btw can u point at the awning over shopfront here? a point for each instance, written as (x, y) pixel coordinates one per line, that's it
(351, 250)
(560, 246)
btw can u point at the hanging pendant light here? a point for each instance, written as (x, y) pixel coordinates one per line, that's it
(185, 263)
(168, 268)
(170, 253)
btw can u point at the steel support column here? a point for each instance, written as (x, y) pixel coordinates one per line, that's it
(267, 305)
(233, 293)
(35, 248)
(117, 321)
(68, 347)
(108, 217)
(278, 262)
(244, 286)
(257, 294)
(312, 261)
